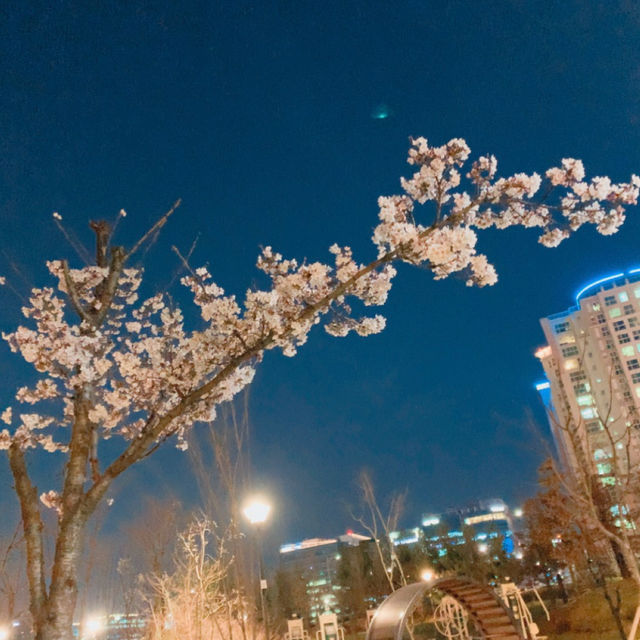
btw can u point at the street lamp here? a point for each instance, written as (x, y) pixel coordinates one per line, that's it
(256, 512)
(427, 575)
(93, 626)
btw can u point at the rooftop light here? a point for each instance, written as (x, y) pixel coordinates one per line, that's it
(597, 282)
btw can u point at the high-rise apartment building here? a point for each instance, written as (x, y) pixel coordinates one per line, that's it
(592, 366)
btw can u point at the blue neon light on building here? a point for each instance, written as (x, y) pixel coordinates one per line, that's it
(595, 283)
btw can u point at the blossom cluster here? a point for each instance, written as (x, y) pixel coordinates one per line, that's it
(140, 362)
(558, 204)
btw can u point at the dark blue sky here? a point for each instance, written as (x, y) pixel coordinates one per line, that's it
(258, 114)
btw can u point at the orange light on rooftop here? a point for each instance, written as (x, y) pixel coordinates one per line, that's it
(543, 352)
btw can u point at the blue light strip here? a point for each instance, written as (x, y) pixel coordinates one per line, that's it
(597, 282)
(633, 271)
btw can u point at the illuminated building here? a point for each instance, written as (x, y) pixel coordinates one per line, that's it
(314, 562)
(592, 365)
(485, 520)
(115, 626)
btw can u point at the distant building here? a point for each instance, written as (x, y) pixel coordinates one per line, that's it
(487, 519)
(315, 562)
(592, 366)
(115, 626)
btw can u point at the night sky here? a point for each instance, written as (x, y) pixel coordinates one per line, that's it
(259, 115)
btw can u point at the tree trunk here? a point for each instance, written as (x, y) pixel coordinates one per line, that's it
(614, 607)
(563, 591)
(632, 564)
(636, 622)
(63, 592)
(32, 527)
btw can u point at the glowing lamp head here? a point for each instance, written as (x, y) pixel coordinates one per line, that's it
(257, 511)
(93, 625)
(426, 575)
(517, 513)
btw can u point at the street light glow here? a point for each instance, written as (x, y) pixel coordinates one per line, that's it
(257, 511)
(4, 633)
(93, 625)
(427, 575)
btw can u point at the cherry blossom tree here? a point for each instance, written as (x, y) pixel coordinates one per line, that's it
(111, 363)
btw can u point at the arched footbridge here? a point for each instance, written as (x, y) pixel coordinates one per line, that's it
(489, 614)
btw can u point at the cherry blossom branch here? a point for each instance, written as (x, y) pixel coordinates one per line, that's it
(82, 313)
(154, 428)
(32, 526)
(110, 286)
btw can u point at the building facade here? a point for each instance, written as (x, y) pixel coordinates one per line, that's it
(485, 519)
(314, 564)
(592, 387)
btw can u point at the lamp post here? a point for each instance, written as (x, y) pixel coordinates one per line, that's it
(256, 512)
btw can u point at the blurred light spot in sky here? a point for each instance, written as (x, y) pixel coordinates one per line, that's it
(381, 111)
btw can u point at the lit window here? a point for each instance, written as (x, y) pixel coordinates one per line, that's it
(628, 350)
(638, 391)
(596, 306)
(615, 312)
(571, 364)
(623, 297)
(636, 293)
(594, 426)
(587, 414)
(585, 400)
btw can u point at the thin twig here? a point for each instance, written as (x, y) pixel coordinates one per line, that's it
(78, 247)
(158, 225)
